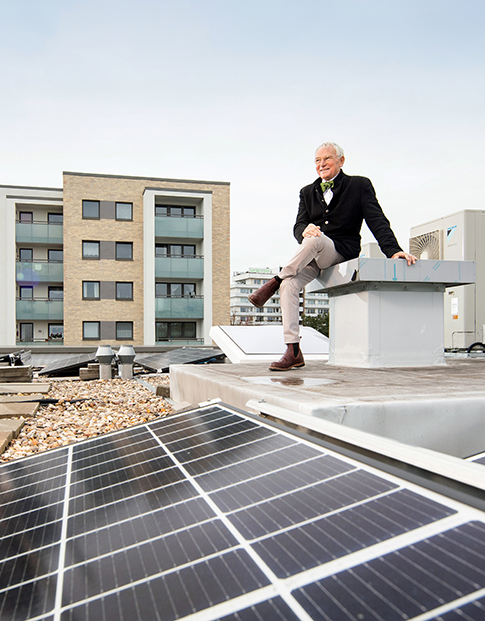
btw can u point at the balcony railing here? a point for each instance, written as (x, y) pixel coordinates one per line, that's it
(179, 267)
(179, 308)
(39, 232)
(40, 309)
(33, 272)
(179, 227)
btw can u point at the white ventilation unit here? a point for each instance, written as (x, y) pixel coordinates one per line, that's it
(457, 237)
(426, 246)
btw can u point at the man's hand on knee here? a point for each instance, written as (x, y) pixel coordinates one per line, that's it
(312, 231)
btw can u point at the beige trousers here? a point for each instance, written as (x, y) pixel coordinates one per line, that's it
(314, 254)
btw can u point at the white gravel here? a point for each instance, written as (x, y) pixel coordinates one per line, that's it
(107, 406)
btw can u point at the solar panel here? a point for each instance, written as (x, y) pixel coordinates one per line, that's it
(215, 514)
(64, 365)
(185, 355)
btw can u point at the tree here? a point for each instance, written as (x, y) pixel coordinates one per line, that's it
(317, 322)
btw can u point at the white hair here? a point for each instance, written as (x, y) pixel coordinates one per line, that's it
(338, 150)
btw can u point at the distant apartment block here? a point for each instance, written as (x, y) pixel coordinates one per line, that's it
(111, 258)
(244, 313)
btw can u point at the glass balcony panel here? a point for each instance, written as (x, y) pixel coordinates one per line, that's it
(31, 273)
(179, 308)
(179, 267)
(40, 309)
(169, 226)
(39, 232)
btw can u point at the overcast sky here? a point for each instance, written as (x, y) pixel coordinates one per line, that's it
(244, 92)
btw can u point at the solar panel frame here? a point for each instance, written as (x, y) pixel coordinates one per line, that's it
(175, 507)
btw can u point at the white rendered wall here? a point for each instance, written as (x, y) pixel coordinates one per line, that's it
(10, 196)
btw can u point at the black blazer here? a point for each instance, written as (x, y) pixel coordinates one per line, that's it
(354, 200)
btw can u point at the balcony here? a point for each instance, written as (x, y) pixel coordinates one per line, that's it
(39, 232)
(34, 272)
(30, 310)
(179, 267)
(179, 308)
(179, 227)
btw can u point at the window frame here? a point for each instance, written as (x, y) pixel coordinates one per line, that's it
(85, 282)
(118, 244)
(85, 204)
(91, 258)
(124, 338)
(92, 338)
(120, 298)
(124, 203)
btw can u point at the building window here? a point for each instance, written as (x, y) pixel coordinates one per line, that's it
(90, 249)
(56, 293)
(124, 290)
(124, 330)
(90, 290)
(124, 251)
(56, 331)
(55, 218)
(26, 293)
(55, 256)
(175, 211)
(27, 332)
(26, 254)
(124, 211)
(91, 210)
(174, 250)
(172, 330)
(91, 330)
(26, 216)
(174, 289)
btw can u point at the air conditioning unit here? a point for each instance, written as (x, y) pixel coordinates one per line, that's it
(427, 245)
(457, 237)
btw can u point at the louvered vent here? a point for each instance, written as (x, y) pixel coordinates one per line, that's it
(426, 246)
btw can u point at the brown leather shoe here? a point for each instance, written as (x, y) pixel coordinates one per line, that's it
(289, 360)
(263, 294)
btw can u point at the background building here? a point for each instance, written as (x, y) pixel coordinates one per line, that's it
(114, 258)
(244, 313)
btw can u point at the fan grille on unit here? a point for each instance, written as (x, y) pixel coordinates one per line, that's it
(426, 246)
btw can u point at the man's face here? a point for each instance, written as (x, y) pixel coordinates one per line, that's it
(327, 163)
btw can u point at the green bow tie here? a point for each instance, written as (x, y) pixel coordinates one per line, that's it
(326, 185)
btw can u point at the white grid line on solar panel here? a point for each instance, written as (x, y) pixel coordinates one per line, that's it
(211, 427)
(287, 509)
(281, 590)
(273, 492)
(397, 572)
(62, 550)
(325, 516)
(160, 519)
(457, 607)
(361, 557)
(131, 480)
(143, 542)
(97, 517)
(129, 466)
(16, 470)
(285, 468)
(176, 425)
(224, 580)
(19, 505)
(94, 448)
(151, 559)
(347, 530)
(237, 452)
(36, 561)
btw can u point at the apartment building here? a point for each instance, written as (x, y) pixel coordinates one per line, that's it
(110, 258)
(244, 313)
